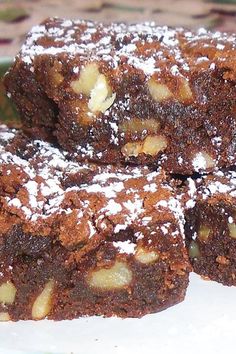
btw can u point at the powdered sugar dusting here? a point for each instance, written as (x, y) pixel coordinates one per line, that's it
(175, 206)
(216, 185)
(127, 247)
(192, 193)
(103, 197)
(199, 162)
(78, 38)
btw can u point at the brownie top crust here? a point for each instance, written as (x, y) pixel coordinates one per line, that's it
(220, 183)
(213, 189)
(52, 195)
(145, 46)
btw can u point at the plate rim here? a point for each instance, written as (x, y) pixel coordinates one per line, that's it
(6, 59)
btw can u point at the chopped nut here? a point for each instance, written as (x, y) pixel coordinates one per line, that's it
(209, 160)
(88, 77)
(116, 277)
(194, 251)
(4, 317)
(185, 93)
(94, 85)
(7, 293)
(154, 144)
(158, 91)
(101, 97)
(136, 125)
(145, 256)
(150, 146)
(132, 149)
(232, 230)
(204, 232)
(222, 260)
(42, 304)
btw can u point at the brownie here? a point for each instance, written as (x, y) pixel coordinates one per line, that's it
(137, 94)
(82, 239)
(211, 227)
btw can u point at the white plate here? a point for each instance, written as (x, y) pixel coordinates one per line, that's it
(204, 323)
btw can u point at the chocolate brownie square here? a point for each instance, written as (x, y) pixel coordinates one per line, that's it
(137, 94)
(82, 239)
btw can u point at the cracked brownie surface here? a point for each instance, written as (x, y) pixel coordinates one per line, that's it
(138, 94)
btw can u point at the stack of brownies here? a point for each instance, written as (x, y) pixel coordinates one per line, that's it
(122, 174)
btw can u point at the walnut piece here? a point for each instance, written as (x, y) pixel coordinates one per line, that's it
(88, 77)
(101, 97)
(222, 260)
(185, 93)
(132, 149)
(193, 250)
(151, 145)
(210, 163)
(4, 317)
(204, 232)
(43, 303)
(232, 230)
(159, 92)
(93, 84)
(116, 277)
(7, 293)
(137, 125)
(146, 257)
